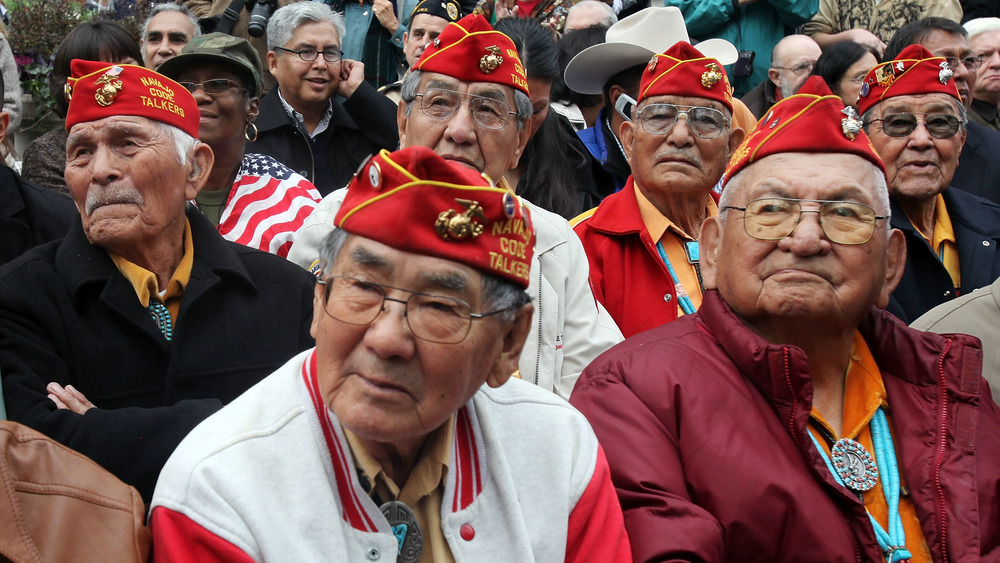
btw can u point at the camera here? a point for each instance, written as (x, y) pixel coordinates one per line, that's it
(260, 12)
(744, 64)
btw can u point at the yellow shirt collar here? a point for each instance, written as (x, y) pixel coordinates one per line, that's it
(144, 282)
(657, 224)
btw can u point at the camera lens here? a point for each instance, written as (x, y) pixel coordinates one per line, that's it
(258, 19)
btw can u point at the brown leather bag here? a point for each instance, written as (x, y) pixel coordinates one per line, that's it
(57, 505)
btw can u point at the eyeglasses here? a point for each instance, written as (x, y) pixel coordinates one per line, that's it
(799, 69)
(858, 79)
(211, 87)
(774, 218)
(970, 62)
(330, 55)
(430, 317)
(939, 125)
(659, 119)
(486, 112)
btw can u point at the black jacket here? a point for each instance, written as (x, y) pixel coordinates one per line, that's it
(361, 126)
(978, 171)
(67, 315)
(30, 215)
(925, 281)
(761, 98)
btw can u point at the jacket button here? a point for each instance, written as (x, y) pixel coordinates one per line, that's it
(668, 297)
(986, 243)
(467, 532)
(373, 554)
(947, 293)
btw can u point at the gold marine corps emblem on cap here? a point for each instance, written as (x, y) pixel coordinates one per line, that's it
(850, 125)
(456, 225)
(712, 76)
(108, 87)
(491, 60)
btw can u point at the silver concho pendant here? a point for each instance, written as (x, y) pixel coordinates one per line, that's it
(404, 526)
(854, 464)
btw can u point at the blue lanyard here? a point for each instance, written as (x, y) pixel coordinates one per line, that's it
(893, 542)
(682, 296)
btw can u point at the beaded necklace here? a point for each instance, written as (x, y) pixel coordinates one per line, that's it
(893, 542)
(682, 295)
(162, 318)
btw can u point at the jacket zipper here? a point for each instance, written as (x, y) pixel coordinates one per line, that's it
(538, 340)
(939, 459)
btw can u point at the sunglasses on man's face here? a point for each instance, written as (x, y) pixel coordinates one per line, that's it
(939, 125)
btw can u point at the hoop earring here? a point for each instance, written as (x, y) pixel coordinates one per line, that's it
(246, 132)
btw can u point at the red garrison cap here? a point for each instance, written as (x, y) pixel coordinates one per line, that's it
(915, 71)
(813, 120)
(96, 90)
(683, 71)
(472, 51)
(416, 201)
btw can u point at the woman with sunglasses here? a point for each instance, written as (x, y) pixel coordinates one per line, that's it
(252, 198)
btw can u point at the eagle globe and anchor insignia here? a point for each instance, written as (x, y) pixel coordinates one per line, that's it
(457, 225)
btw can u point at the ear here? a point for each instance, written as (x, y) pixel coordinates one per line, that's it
(627, 134)
(513, 343)
(401, 120)
(199, 168)
(895, 264)
(319, 294)
(523, 134)
(711, 238)
(254, 108)
(272, 62)
(736, 136)
(772, 75)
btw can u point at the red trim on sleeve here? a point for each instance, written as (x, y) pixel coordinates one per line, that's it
(178, 539)
(596, 527)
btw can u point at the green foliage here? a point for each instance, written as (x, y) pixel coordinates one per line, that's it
(38, 26)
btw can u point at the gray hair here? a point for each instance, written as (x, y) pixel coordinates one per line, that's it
(408, 93)
(497, 293)
(979, 25)
(183, 143)
(285, 20)
(610, 18)
(881, 194)
(168, 7)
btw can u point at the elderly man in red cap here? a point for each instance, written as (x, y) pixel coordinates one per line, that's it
(793, 419)
(915, 118)
(642, 242)
(119, 339)
(399, 437)
(467, 99)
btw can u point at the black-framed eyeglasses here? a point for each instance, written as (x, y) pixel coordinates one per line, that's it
(970, 62)
(434, 318)
(774, 218)
(330, 54)
(489, 113)
(214, 86)
(704, 122)
(799, 69)
(939, 125)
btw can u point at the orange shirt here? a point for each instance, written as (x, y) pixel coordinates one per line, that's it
(672, 238)
(864, 393)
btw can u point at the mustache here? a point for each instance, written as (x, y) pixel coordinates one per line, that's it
(110, 196)
(681, 155)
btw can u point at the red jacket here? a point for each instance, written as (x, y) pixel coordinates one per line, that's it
(626, 272)
(712, 461)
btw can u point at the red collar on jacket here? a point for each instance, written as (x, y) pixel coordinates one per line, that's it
(618, 214)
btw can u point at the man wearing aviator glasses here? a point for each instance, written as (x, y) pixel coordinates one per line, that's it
(914, 116)
(642, 241)
(790, 418)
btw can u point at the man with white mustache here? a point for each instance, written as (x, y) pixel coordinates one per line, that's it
(119, 339)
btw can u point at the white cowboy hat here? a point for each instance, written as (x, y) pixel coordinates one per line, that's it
(633, 41)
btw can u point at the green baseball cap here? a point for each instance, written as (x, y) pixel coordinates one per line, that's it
(221, 48)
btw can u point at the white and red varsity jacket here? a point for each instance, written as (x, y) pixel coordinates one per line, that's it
(270, 477)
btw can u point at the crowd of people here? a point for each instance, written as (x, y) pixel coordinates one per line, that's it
(527, 280)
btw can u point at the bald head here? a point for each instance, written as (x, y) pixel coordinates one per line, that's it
(589, 12)
(792, 60)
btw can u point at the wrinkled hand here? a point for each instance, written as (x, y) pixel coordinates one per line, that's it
(68, 398)
(386, 15)
(352, 74)
(503, 10)
(864, 37)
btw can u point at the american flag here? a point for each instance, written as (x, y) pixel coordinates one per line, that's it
(267, 205)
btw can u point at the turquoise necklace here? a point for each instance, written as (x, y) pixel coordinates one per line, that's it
(682, 295)
(849, 472)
